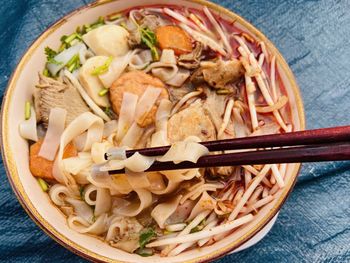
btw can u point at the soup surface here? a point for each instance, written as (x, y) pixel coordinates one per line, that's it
(149, 77)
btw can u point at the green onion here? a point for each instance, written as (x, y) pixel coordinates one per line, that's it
(103, 92)
(102, 69)
(146, 236)
(27, 111)
(50, 56)
(46, 73)
(223, 91)
(148, 38)
(108, 111)
(144, 252)
(123, 25)
(167, 232)
(81, 192)
(44, 186)
(69, 39)
(114, 17)
(73, 63)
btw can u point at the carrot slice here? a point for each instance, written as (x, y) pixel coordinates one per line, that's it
(175, 38)
(41, 167)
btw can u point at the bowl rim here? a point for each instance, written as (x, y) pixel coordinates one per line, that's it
(17, 187)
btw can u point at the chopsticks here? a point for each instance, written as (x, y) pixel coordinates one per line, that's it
(328, 144)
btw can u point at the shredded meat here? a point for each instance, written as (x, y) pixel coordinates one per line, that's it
(219, 73)
(191, 60)
(51, 93)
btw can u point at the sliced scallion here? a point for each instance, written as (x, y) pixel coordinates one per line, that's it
(43, 185)
(114, 17)
(103, 92)
(102, 69)
(223, 91)
(27, 112)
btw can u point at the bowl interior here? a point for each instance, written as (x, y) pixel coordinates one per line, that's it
(38, 205)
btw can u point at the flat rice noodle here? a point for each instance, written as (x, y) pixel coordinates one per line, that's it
(134, 208)
(146, 102)
(103, 201)
(184, 151)
(86, 121)
(110, 127)
(57, 120)
(137, 180)
(164, 210)
(27, 128)
(138, 162)
(80, 225)
(81, 209)
(98, 150)
(180, 77)
(127, 114)
(75, 165)
(115, 69)
(141, 60)
(132, 136)
(58, 193)
(117, 184)
(156, 182)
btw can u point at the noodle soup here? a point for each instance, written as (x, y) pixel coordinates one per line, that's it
(149, 77)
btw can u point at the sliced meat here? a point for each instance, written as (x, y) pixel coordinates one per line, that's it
(219, 73)
(191, 60)
(192, 121)
(51, 93)
(136, 82)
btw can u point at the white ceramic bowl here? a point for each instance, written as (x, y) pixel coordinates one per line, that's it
(37, 203)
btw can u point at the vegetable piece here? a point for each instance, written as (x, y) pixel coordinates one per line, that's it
(173, 37)
(27, 111)
(103, 92)
(65, 57)
(27, 128)
(113, 17)
(144, 252)
(149, 39)
(108, 40)
(90, 82)
(50, 56)
(44, 186)
(103, 68)
(41, 167)
(146, 236)
(73, 63)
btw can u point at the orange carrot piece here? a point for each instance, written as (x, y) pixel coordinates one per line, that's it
(175, 38)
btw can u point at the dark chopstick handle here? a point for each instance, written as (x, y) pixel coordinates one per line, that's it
(318, 136)
(314, 153)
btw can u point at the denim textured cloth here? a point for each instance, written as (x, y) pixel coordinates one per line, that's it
(314, 37)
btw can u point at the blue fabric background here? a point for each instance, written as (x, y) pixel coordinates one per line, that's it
(314, 37)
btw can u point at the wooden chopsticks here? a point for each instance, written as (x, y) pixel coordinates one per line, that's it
(329, 144)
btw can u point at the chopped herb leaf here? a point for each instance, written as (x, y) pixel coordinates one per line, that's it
(27, 111)
(73, 63)
(102, 69)
(103, 92)
(113, 17)
(81, 192)
(50, 56)
(148, 38)
(144, 252)
(146, 236)
(43, 185)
